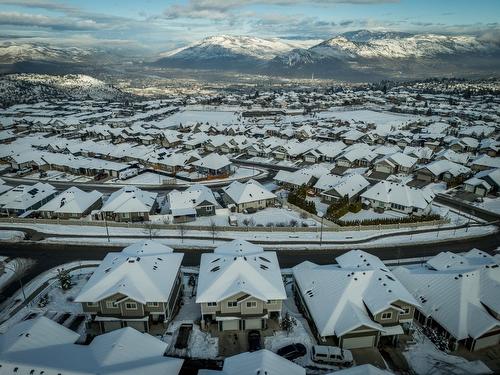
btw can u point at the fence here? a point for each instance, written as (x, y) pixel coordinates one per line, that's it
(147, 226)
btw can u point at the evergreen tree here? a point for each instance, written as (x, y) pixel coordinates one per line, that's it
(64, 279)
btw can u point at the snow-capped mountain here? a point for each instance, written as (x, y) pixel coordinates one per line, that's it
(12, 53)
(235, 49)
(397, 46)
(26, 88)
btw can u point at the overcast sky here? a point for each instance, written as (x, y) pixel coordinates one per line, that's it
(162, 25)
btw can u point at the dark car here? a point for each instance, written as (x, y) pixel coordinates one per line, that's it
(254, 341)
(292, 351)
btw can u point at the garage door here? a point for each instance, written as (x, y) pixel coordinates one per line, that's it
(230, 325)
(111, 326)
(383, 168)
(253, 323)
(486, 342)
(358, 342)
(137, 325)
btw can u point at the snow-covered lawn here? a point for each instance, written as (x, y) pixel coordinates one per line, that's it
(58, 176)
(425, 359)
(270, 215)
(146, 178)
(490, 204)
(370, 215)
(13, 268)
(320, 206)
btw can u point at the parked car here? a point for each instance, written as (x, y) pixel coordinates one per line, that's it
(254, 341)
(100, 176)
(292, 351)
(23, 171)
(332, 354)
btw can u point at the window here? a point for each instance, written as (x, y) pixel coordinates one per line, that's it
(111, 305)
(387, 315)
(131, 306)
(154, 304)
(92, 304)
(406, 311)
(209, 208)
(232, 304)
(252, 304)
(212, 304)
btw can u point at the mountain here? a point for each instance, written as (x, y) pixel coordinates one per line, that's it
(374, 55)
(11, 53)
(28, 88)
(226, 51)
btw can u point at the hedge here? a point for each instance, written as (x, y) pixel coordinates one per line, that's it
(395, 220)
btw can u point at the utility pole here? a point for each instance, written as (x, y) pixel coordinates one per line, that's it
(321, 215)
(106, 224)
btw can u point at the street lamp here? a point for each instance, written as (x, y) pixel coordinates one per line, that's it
(20, 281)
(320, 214)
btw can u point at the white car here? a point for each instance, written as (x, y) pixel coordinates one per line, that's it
(332, 354)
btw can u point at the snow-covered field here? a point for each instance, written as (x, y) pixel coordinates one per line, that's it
(146, 178)
(383, 120)
(193, 116)
(424, 358)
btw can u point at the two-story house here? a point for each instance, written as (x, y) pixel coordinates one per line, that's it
(355, 303)
(139, 287)
(240, 287)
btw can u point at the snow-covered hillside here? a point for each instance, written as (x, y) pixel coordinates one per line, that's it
(25, 88)
(232, 46)
(12, 52)
(396, 46)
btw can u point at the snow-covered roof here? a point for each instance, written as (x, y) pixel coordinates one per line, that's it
(144, 271)
(42, 346)
(262, 362)
(212, 161)
(298, 178)
(236, 267)
(361, 370)
(189, 199)
(401, 159)
(349, 185)
(392, 192)
(342, 297)
(25, 196)
(454, 289)
(439, 167)
(249, 191)
(72, 200)
(487, 161)
(130, 199)
(474, 181)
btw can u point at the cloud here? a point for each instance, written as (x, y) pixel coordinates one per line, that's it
(218, 9)
(38, 20)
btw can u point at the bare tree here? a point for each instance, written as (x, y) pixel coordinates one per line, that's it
(213, 229)
(182, 231)
(151, 230)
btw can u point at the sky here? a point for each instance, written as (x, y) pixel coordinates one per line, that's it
(153, 26)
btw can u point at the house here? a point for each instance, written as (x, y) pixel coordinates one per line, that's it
(4, 187)
(477, 186)
(491, 176)
(444, 170)
(248, 195)
(71, 204)
(196, 200)
(356, 303)
(139, 287)
(42, 346)
(25, 198)
(263, 362)
(294, 180)
(387, 195)
(129, 204)
(362, 370)
(213, 165)
(458, 297)
(395, 163)
(350, 186)
(484, 162)
(240, 287)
